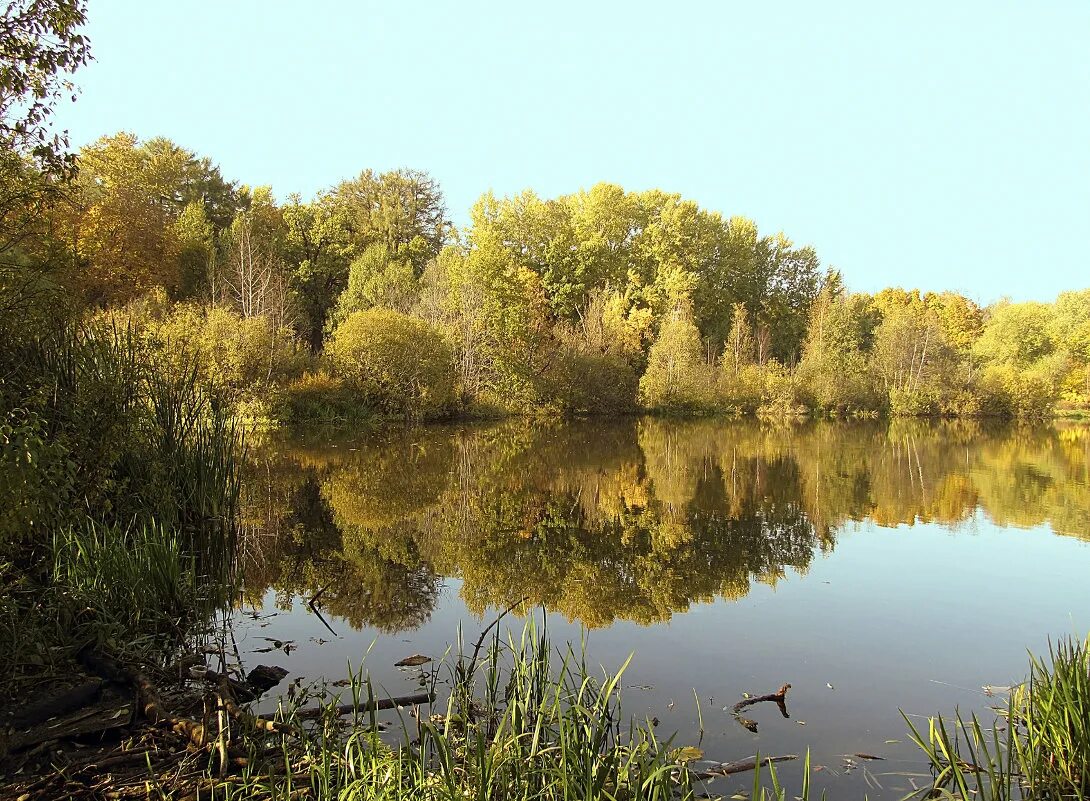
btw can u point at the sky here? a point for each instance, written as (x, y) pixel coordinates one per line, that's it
(939, 145)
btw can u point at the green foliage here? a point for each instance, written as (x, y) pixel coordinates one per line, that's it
(912, 359)
(833, 370)
(130, 583)
(246, 358)
(133, 220)
(318, 397)
(548, 306)
(377, 279)
(400, 364)
(658, 247)
(1040, 751)
(593, 383)
(36, 476)
(1017, 334)
(1029, 391)
(40, 43)
(676, 378)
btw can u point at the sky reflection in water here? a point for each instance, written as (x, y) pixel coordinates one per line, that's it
(905, 565)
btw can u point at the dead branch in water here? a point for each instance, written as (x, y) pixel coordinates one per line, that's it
(377, 705)
(779, 698)
(743, 766)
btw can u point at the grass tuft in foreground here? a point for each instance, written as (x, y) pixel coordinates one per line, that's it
(526, 722)
(1038, 749)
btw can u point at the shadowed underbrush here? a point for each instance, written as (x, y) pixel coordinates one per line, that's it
(123, 487)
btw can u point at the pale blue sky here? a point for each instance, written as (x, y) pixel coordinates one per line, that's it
(932, 144)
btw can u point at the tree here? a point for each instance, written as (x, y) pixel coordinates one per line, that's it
(317, 250)
(401, 210)
(675, 376)
(39, 44)
(182, 178)
(399, 363)
(121, 222)
(740, 349)
(790, 278)
(196, 239)
(1022, 365)
(1070, 329)
(1017, 334)
(254, 280)
(833, 366)
(912, 358)
(117, 225)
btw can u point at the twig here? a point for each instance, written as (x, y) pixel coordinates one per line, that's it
(492, 625)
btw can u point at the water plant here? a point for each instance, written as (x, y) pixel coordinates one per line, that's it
(1038, 748)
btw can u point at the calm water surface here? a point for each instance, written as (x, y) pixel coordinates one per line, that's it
(876, 568)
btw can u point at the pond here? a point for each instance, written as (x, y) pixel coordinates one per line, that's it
(877, 568)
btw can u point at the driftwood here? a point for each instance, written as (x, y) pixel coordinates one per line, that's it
(379, 704)
(779, 698)
(147, 697)
(68, 701)
(742, 766)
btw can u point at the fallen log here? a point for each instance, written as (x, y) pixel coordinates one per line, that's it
(69, 701)
(743, 766)
(147, 697)
(377, 705)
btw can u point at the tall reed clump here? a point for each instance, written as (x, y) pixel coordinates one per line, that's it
(525, 722)
(134, 590)
(1038, 749)
(123, 485)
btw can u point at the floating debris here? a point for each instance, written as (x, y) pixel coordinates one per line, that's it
(413, 661)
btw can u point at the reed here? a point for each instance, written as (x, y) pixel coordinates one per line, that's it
(127, 482)
(1038, 748)
(525, 722)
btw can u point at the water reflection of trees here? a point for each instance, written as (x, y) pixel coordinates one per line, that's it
(633, 519)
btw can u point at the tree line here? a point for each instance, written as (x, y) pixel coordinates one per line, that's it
(366, 300)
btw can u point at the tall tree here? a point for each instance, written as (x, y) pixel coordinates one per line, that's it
(40, 44)
(318, 250)
(402, 210)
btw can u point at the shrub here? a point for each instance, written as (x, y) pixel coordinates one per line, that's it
(743, 387)
(676, 378)
(242, 356)
(318, 397)
(400, 364)
(1025, 392)
(592, 383)
(913, 402)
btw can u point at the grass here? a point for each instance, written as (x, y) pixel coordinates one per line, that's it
(1039, 748)
(524, 722)
(129, 482)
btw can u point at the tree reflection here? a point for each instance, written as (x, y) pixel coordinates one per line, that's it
(633, 519)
